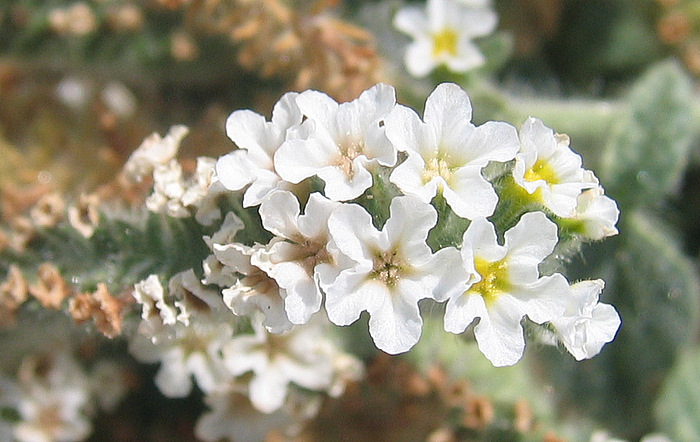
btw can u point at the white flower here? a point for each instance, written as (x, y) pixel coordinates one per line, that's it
(301, 356)
(151, 295)
(597, 213)
(390, 271)
(190, 296)
(443, 34)
(185, 351)
(446, 152)
(54, 401)
(203, 190)
(154, 151)
(297, 258)
(255, 290)
(547, 168)
(168, 189)
(339, 142)
(508, 286)
(257, 141)
(587, 324)
(215, 272)
(232, 417)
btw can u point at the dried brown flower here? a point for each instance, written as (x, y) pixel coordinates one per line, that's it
(479, 412)
(104, 309)
(83, 216)
(674, 27)
(308, 47)
(48, 211)
(524, 417)
(51, 289)
(13, 292)
(22, 232)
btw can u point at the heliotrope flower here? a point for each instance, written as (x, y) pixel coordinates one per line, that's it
(508, 286)
(587, 325)
(597, 213)
(443, 34)
(257, 140)
(254, 290)
(297, 257)
(185, 352)
(548, 169)
(389, 271)
(154, 151)
(446, 152)
(301, 356)
(339, 141)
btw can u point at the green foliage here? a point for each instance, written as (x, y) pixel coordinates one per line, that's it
(649, 147)
(120, 252)
(678, 409)
(649, 279)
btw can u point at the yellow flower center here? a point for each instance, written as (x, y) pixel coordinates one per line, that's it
(494, 279)
(542, 170)
(445, 41)
(437, 167)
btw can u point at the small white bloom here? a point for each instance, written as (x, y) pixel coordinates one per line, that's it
(508, 286)
(339, 142)
(168, 190)
(190, 296)
(587, 325)
(54, 402)
(390, 271)
(255, 290)
(297, 258)
(233, 417)
(598, 214)
(443, 34)
(203, 190)
(257, 141)
(154, 151)
(185, 351)
(547, 168)
(447, 152)
(151, 295)
(302, 357)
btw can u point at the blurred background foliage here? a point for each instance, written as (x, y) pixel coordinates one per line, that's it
(620, 77)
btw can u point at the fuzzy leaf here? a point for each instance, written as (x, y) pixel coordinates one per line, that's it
(655, 288)
(678, 407)
(649, 147)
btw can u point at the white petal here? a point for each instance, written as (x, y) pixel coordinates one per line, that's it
(462, 310)
(469, 194)
(499, 335)
(408, 176)
(279, 212)
(235, 171)
(410, 20)
(533, 237)
(395, 326)
(408, 225)
(447, 107)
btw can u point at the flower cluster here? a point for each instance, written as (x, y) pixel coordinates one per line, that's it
(322, 173)
(334, 209)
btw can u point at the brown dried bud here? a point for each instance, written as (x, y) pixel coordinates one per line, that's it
(479, 413)
(104, 309)
(524, 417)
(13, 292)
(84, 216)
(50, 290)
(48, 211)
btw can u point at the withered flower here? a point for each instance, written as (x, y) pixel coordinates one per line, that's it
(51, 289)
